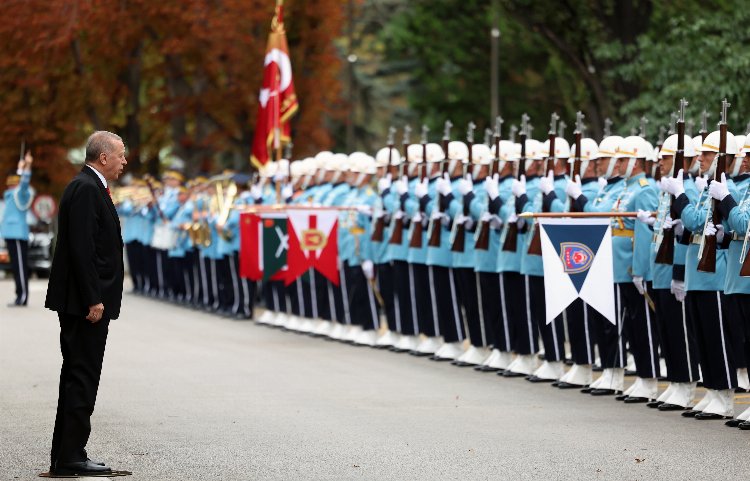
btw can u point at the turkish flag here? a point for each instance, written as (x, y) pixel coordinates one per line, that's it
(250, 247)
(313, 242)
(277, 101)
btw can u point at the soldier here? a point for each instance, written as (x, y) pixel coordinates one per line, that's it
(14, 227)
(611, 344)
(737, 218)
(481, 329)
(676, 333)
(387, 158)
(495, 302)
(580, 317)
(462, 260)
(527, 341)
(705, 299)
(180, 265)
(131, 227)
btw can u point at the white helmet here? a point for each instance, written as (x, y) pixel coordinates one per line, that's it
(562, 148)
(434, 153)
(268, 170)
(711, 144)
(506, 153)
(282, 167)
(480, 155)
(381, 158)
(740, 154)
(415, 156)
(608, 146)
(297, 168)
(670, 146)
(589, 150)
(695, 166)
(533, 152)
(633, 148)
(457, 152)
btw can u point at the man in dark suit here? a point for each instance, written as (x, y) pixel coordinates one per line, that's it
(85, 288)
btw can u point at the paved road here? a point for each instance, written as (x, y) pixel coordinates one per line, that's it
(188, 396)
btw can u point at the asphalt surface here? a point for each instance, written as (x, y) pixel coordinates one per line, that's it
(188, 396)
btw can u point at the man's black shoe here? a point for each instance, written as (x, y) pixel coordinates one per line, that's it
(745, 426)
(603, 392)
(587, 390)
(689, 414)
(567, 385)
(80, 468)
(733, 423)
(655, 404)
(621, 397)
(709, 416)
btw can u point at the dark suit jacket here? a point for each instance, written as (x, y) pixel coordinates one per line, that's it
(87, 268)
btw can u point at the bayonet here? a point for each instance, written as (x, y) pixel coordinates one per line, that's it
(487, 137)
(642, 132)
(561, 129)
(499, 126)
(470, 132)
(391, 134)
(513, 132)
(447, 130)
(425, 131)
(607, 127)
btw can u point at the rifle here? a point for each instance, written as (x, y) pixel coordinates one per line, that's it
(459, 230)
(577, 134)
(535, 246)
(607, 127)
(704, 127)
(665, 253)
(379, 229)
(510, 244)
(397, 227)
(434, 231)
(417, 228)
(744, 258)
(707, 252)
(659, 143)
(482, 242)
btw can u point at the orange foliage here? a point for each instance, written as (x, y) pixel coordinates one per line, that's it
(180, 73)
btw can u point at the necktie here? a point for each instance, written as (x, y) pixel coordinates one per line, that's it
(108, 192)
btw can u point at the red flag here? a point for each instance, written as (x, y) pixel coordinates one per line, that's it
(313, 242)
(277, 101)
(249, 251)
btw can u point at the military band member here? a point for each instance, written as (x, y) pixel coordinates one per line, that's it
(14, 227)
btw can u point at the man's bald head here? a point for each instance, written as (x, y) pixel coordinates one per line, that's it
(101, 142)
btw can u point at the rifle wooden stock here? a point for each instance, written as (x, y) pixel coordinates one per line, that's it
(418, 227)
(745, 269)
(707, 261)
(665, 253)
(535, 246)
(397, 232)
(378, 230)
(460, 238)
(511, 234)
(434, 231)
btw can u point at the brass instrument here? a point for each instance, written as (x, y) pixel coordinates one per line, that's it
(137, 194)
(224, 201)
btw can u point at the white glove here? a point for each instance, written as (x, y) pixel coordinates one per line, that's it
(463, 219)
(465, 185)
(639, 284)
(547, 184)
(399, 214)
(402, 186)
(443, 185)
(256, 192)
(485, 217)
(573, 189)
(368, 268)
(673, 224)
(417, 218)
(490, 185)
(364, 209)
(512, 218)
(678, 289)
(420, 190)
(701, 182)
(674, 185)
(496, 222)
(287, 191)
(384, 183)
(646, 217)
(717, 230)
(518, 187)
(602, 182)
(719, 190)
(278, 177)
(437, 215)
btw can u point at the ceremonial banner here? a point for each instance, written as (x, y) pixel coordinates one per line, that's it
(277, 101)
(577, 257)
(264, 243)
(313, 243)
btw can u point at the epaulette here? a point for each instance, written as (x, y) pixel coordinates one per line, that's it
(643, 182)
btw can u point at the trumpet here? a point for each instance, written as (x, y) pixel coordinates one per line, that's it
(137, 194)
(224, 201)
